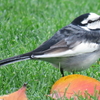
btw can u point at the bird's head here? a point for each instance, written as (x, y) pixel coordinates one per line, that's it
(88, 21)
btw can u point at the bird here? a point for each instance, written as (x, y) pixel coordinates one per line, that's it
(75, 47)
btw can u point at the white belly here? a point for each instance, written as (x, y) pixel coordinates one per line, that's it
(75, 63)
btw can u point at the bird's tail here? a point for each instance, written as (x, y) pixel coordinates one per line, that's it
(15, 59)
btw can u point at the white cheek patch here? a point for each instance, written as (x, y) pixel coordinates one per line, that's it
(94, 25)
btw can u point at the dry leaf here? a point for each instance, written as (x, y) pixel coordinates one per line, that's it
(72, 85)
(18, 95)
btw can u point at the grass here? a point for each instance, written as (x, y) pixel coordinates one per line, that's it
(24, 25)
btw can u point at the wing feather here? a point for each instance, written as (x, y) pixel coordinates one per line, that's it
(62, 50)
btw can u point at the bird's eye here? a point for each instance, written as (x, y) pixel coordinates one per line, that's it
(90, 21)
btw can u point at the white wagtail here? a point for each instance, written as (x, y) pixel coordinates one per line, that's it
(75, 47)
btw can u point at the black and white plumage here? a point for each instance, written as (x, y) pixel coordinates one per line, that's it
(75, 47)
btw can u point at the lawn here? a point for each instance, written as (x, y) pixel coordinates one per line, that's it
(24, 25)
